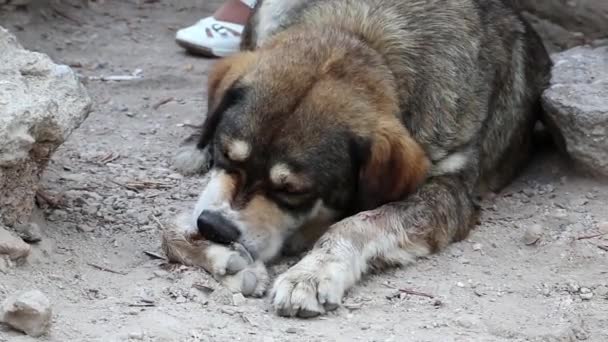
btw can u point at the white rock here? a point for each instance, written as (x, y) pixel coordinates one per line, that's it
(238, 299)
(41, 103)
(13, 246)
(533, 234)
(28, 311)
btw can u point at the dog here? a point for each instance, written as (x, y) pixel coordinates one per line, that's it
(368, 129)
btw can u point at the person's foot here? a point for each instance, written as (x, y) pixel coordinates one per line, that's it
(218, 35)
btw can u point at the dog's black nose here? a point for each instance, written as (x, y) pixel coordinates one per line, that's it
(215, 227)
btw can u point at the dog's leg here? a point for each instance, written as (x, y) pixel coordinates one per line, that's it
(441, 211)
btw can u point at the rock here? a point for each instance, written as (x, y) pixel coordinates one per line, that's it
(561, 23)
(477, 247)
(29, 232)
(603, 227)
(41, 103)
(138, 336)
(576, 106)
(533, 234)
(12, 246)
(28, 311)
(238, 299)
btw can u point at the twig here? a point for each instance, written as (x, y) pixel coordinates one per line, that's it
(101, 268)
(64, 15)
(143, 305)
(124, 185)
(408, 291)
(162, 102)
(416, 293)
(585, 237)
(154, 255)
(160, 224)
(203, 288)
(602, 247)
(115, 78)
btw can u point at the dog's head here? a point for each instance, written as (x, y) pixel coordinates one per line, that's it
(296, 143)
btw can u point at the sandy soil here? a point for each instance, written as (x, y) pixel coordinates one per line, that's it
(112, 177)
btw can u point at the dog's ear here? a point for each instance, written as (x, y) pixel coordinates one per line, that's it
(222, 92)
(394, 165)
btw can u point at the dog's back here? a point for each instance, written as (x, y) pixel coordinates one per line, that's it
(468, 98)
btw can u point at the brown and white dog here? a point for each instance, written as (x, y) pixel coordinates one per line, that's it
(368, 126)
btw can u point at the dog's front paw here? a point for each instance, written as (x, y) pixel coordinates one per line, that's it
(312, 287)
(190, 160)
(234, 268)
(252, 281)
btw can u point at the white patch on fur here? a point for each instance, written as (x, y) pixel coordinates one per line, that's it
(279, 173)
(190, 160)
(451, 164)
(239, 150)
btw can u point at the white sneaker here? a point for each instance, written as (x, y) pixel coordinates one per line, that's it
(211, 37)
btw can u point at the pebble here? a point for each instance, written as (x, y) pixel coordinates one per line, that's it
(29, 232)
(573, 287)
(533, 234)
(136, 336)
(85, 228)
(585, 293)
(477, 247)
(28, 311)
(160, 273)
(291, 330)
(460, 284)
(238, 299)
(601, 291)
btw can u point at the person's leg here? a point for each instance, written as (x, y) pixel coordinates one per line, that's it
(220, 34)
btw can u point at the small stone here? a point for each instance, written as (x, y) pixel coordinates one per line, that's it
(13, 246)
(291, 330)
(533, 234)
(585, 290)
(460, 284)
(601, 291)
(586, 296)
(573, 287)
(85, 228)
(160, 273)
(29, 232)
(238, 299)
(136, 336)
(28, 311)
(477, 247)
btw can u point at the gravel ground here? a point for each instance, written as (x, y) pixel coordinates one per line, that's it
(533, 270)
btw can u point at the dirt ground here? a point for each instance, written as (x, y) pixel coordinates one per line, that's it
(113, 178)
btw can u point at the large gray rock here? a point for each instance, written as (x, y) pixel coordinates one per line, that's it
(576, 105)
(28, 311)
(41, 103)
(566, 23)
